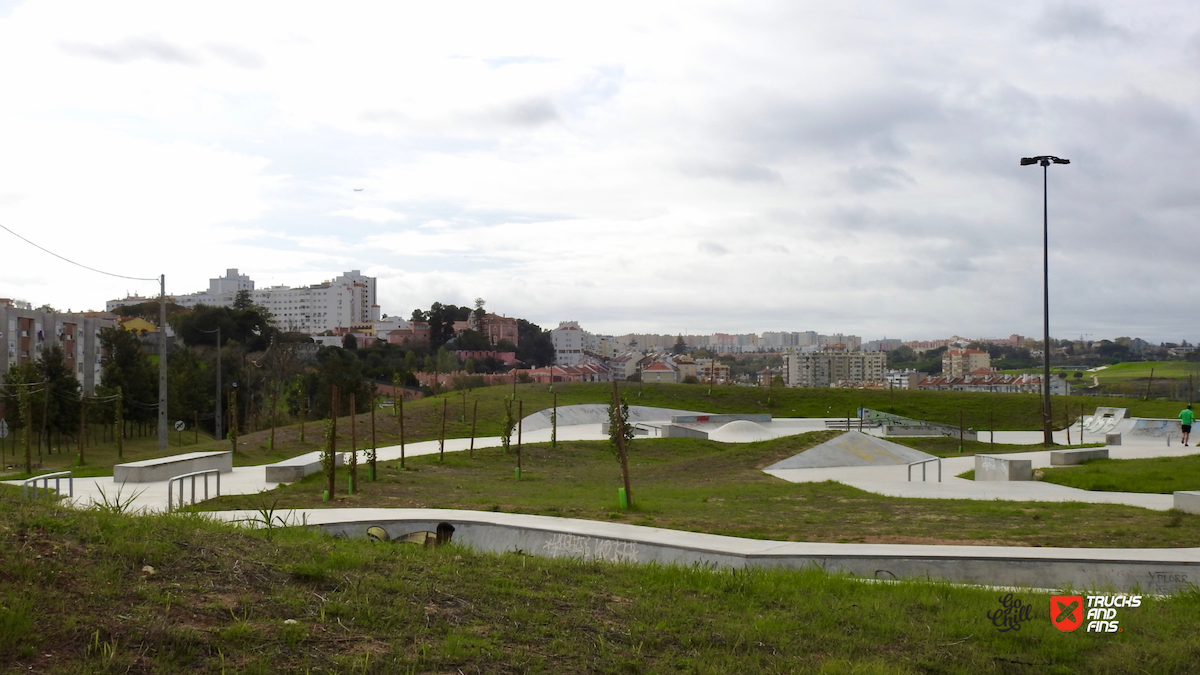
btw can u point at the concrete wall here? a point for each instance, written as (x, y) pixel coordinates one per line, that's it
(1152, 571)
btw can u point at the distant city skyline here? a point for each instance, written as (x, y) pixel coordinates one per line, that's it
(671, 167)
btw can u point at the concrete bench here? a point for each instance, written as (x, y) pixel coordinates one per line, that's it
(993, 467)
(1188, 502)
(1070, 457)
(165, 468)
(292, 470)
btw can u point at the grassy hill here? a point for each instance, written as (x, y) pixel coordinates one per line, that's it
(1126, 372)
(85, 592)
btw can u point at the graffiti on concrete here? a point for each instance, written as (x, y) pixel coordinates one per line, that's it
(587, 548)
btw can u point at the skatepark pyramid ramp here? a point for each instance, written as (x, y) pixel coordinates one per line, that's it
(852, 448)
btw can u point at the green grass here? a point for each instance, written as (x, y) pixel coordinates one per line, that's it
(704, 486)
(74, 599)
(1162, 475)
(423, 416)
(1121, 373)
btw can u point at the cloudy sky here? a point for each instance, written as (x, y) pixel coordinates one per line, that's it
(651, 167)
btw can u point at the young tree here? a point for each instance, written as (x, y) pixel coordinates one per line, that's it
(620, 435)
(510, 423)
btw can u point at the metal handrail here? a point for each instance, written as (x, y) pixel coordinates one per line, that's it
(923, 462)
(648, 427)
(45, 478)
(193, 475)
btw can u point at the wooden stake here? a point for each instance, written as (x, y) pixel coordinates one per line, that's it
(82, 425)
(353, 446)
(474, 417)
(442, 435)
(374, 447)
(333, 442)
(401, 431)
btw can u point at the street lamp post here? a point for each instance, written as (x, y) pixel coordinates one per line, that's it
(1045, 161)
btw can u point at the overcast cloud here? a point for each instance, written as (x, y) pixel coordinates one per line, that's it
(666, 167)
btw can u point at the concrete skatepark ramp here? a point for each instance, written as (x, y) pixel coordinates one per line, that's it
(852, 448)
(597, 413)
(740, 431)
(1104, 420)
(1117, 421)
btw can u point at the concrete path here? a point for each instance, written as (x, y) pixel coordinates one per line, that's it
(1144, 570)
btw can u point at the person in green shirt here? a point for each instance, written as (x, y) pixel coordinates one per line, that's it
(1186, 417)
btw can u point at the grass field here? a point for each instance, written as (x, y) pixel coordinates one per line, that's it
(1125, 372)
(96, 592)
(1162, 475)
(423, 417)
(703, 486)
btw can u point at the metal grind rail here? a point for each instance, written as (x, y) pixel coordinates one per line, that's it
(179, 480)
(45, 480)
(924, 463)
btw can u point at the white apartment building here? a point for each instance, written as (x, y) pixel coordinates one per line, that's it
(571, 342)
(821, 369)
(340, 303)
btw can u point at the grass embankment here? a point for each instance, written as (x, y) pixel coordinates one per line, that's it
(1121, 373)
(423, 417)
(703, 486)
(74, 599)
(1162, 475)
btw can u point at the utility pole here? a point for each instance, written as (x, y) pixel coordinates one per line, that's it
(162, 362)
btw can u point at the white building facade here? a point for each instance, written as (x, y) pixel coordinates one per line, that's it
(345, 301)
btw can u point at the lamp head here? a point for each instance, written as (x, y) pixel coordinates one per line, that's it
(1044, 160)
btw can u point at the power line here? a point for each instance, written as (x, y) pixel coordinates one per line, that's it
(93, 269)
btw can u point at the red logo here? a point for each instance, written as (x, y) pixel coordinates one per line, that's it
(1066, 612)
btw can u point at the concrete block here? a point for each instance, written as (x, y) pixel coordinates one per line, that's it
(996, 467)
(677, 431)
(1188, 502)
(1112, 439)
(1070, 457)
(292, 470)
(166, 468)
